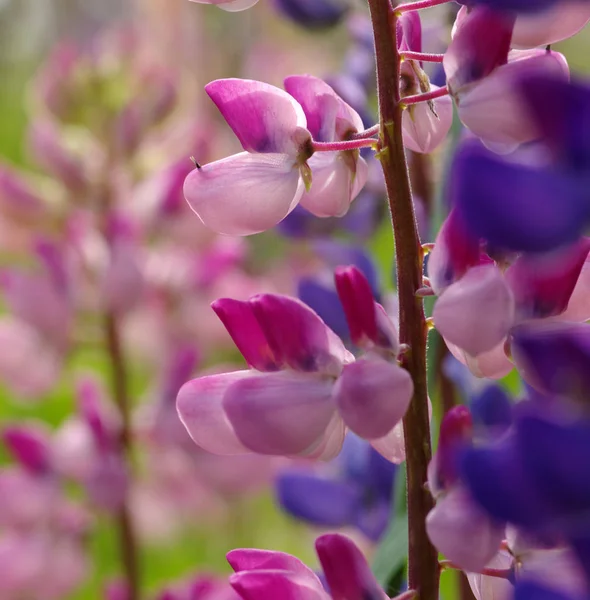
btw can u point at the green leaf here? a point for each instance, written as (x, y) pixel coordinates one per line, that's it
(392, 552)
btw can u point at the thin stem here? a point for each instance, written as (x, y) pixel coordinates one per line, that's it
(423, 571)
(120, 385)
(443, 91)
(400, 8)
(422, 56)
(367, 133)
(344, 145)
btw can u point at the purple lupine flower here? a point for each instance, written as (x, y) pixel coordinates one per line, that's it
(546, 206)
(355, 489)
(313, 14)
(456, 525)
(537, 478)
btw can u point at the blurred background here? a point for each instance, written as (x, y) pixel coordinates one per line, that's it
(101, 108)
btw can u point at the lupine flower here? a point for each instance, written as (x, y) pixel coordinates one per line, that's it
(267, 575)
(527, 215)
(482, 75)
(313, 14)
(535, 478)
(426, 124)
(533, 287)
(456, 525)
(355, 489)
(304, 386)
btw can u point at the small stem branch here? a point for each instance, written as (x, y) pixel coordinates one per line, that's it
(367, 133)
(423, 570)
(400, 8)
(344, 145)
(443, 91)
(422, 56)
(120, 386)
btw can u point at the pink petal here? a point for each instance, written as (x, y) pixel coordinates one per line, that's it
(329, 118)
(346, 569)
(485, 587)
(244, 193)
(334, 185)
(578, 308)
(17, 198)
(409, 31)
(476, 312)
(29, 445)
(250, 559)
(550, 26)
(426, 126)
(19, 345)
(272, 584)
(493, 108)
(493, 364)
(297, 335)
(462, 532)
(392, 446)
(200, 409)
(263, 117)
(372, 396)
(330, 443)
(543, 284)
(240, 321)
(280, 413)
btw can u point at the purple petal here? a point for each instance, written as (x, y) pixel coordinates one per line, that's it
(244, 193)
(297, 336)
(462, 531)
(317, 499)
(200, 409)
(280, 413)
(253, 559)
(409, 31)
(263, 117)
(476, 312)
(346, 569)
(372, 396)
(238, 318)
(30, 445)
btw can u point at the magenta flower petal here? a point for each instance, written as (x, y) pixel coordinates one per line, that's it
(550, 26)
(334, 185)
(476, 312)
(200, 409)
(240, 321)
(263, 117)
(346, 569)
(493, 109)
(244, 193)
(30, 445)
(462, 531)
(280, 413)
(392, 446)
(253, 559)
(297, 335)
(372, 396)
(492, 364)
(578, 308)
(329, 118)
(426, 126)
(272, 584)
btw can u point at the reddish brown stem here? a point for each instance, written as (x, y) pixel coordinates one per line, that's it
(423, 571)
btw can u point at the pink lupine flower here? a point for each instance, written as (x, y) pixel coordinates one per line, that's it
(267, 575)
(456, 525)
(229, 5)
(252, 191)
(303, 388)
(425, 125)
(337, 176)
(481, 74)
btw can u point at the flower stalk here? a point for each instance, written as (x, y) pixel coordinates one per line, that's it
(423, 571)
